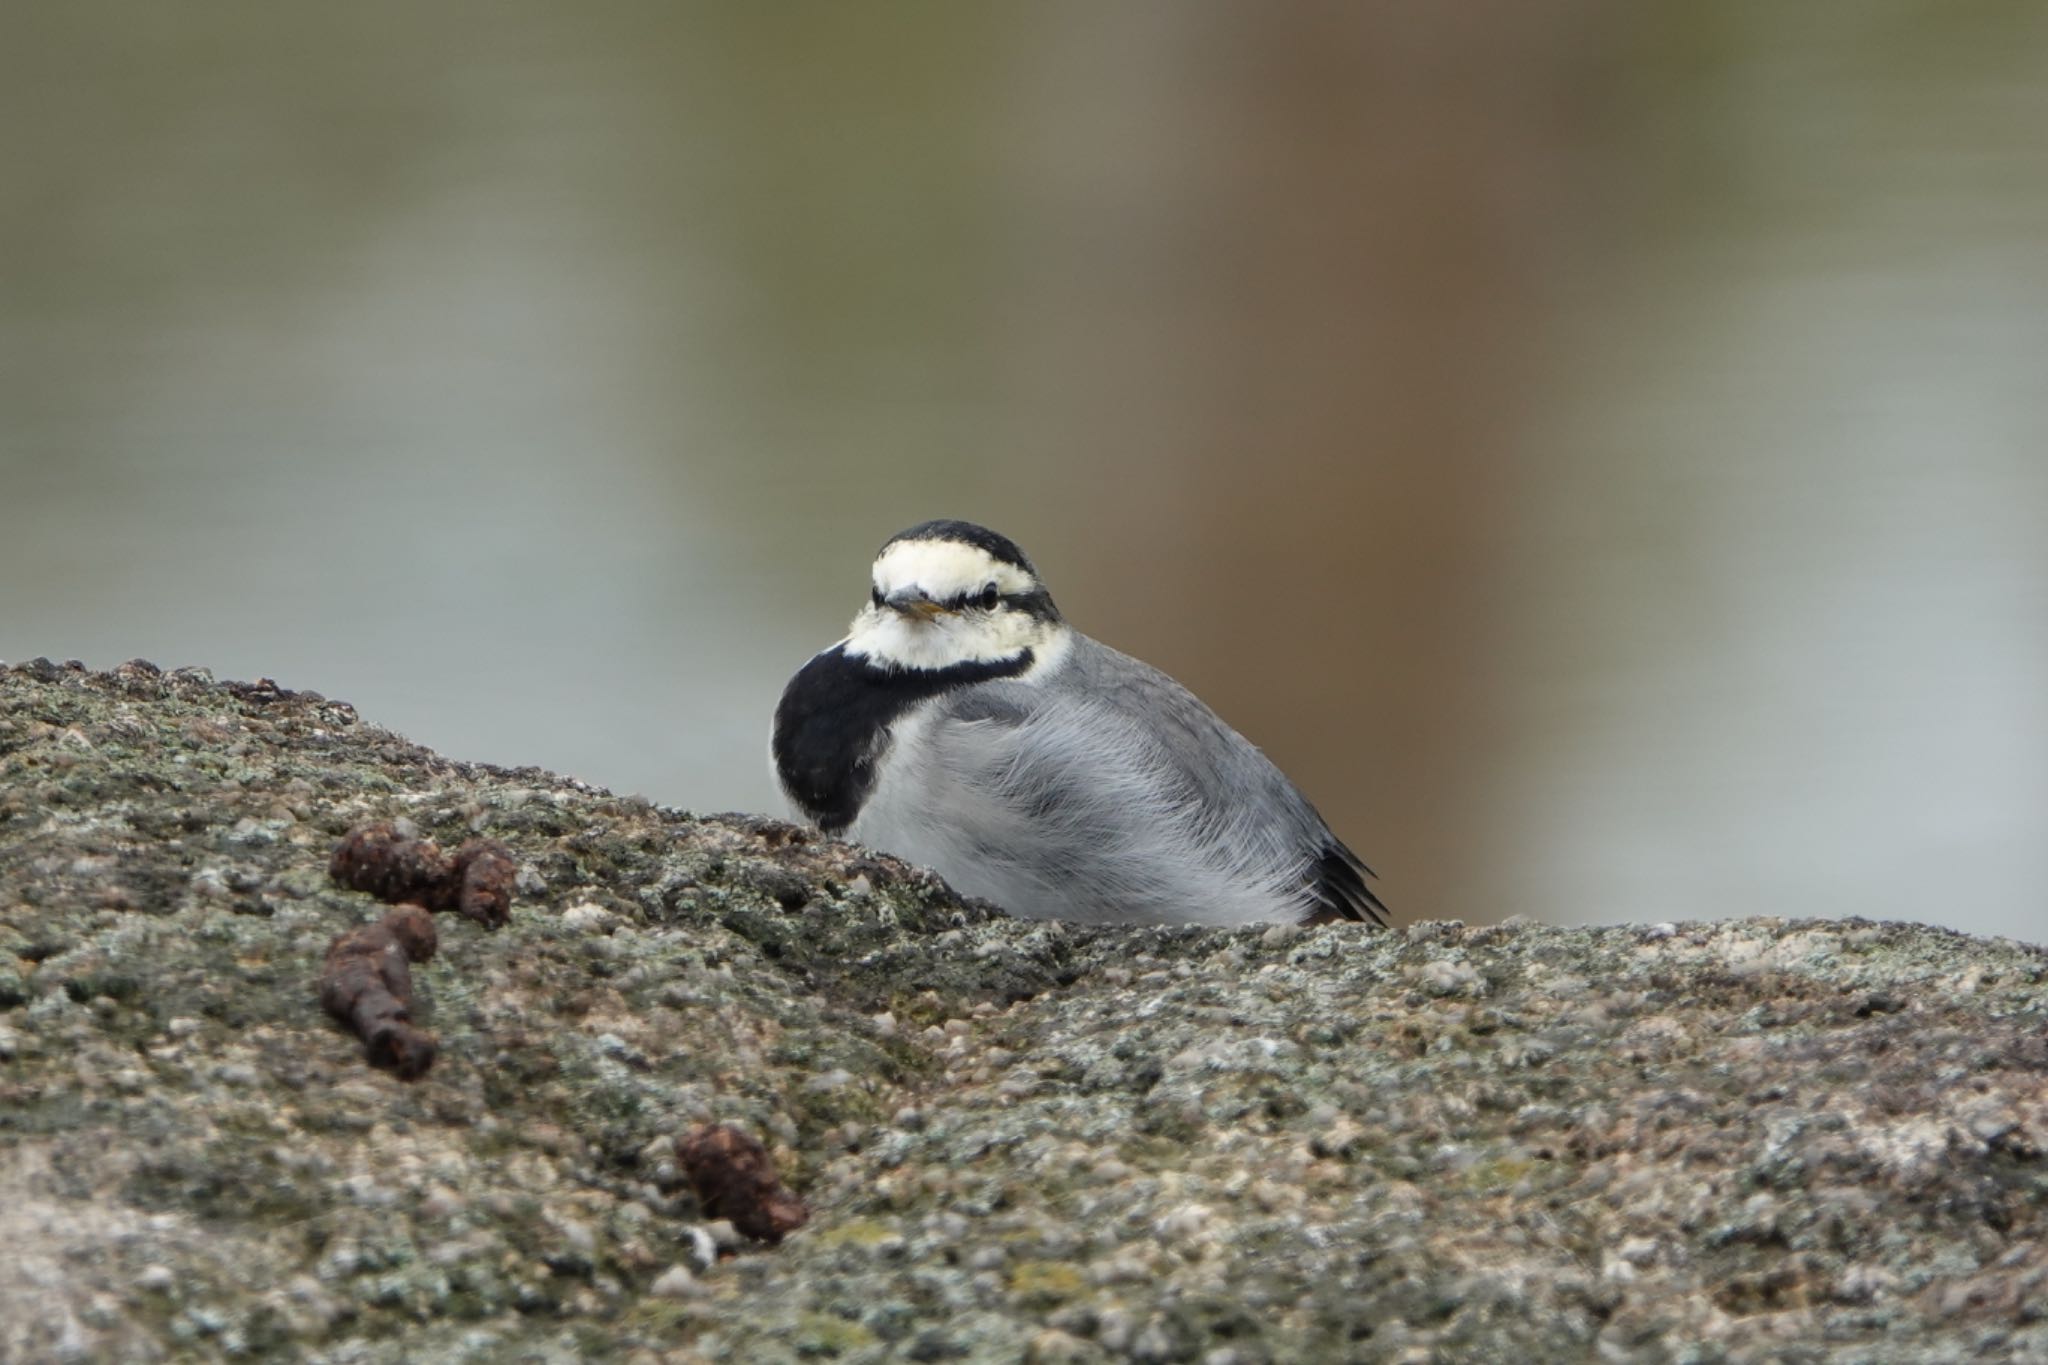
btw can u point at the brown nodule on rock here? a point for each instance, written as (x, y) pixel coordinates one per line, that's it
(367, 984)
(486, 870)
(389, 864)
(735, 1180)
(395, 866)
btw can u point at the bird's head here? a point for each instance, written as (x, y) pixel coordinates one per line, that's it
(947, 593)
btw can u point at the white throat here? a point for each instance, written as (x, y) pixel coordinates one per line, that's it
(950, 572)
(889, 639)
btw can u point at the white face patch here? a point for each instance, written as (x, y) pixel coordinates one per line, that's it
(945, 571)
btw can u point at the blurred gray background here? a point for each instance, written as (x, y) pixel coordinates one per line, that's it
(1600, 450)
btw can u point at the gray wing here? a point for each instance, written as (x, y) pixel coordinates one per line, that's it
(1336, 878)
(1109, 792)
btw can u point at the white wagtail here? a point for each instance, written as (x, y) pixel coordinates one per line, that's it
(963, 725)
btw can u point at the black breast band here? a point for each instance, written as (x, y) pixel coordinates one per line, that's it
(832, 725)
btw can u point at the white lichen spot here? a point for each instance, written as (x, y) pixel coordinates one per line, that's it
(1450, 976)
(1184, 1223)
(590, 918)
(676, 1283)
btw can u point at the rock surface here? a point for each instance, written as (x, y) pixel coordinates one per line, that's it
(1755, 1140)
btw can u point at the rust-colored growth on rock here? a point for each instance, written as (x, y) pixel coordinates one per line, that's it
(414, 930)
(394, 866)
(367, 984)
(389, 864)
(735, 1180)
(486, 871)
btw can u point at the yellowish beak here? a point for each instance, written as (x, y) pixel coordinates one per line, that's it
(910, 601)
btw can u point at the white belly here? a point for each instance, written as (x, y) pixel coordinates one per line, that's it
(1102, 865)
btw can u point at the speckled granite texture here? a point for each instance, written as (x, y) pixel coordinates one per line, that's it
(1760, 1140)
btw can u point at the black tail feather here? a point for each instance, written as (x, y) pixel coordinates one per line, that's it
(1338, 884)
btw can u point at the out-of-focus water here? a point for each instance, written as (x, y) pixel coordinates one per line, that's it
(1603, 455)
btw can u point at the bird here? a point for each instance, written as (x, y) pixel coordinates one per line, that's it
(963, 725)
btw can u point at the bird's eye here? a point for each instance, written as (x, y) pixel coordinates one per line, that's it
(875, 596)
(990, 598)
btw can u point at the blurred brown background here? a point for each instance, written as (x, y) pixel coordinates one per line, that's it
(1601, 450)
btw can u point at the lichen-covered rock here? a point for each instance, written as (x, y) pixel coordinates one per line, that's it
(1756, 1140)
